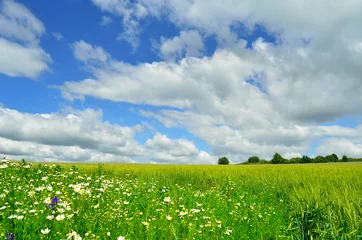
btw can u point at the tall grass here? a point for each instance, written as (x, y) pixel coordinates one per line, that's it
(110, 201)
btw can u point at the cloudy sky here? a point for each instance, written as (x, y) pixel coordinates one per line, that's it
(170, 81)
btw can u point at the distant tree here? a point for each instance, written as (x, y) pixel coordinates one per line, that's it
(294, 160)
(253, 159)
(223, 161)
(305, 159)
(335, 157)
(320, 159)
(277, 159)
(332, 158)
(262, 161)
(345, 158)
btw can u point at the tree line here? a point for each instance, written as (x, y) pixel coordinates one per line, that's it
(278, 159)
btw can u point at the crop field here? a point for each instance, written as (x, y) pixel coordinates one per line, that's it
(126, 201)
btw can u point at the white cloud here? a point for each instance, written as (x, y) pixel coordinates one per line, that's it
(340, 146)
(17, 60)
(242, 102)
(218, 104)
(180, 147)
(189, 43)
(85, 52)
(18, 23)
(131, 13)
(57, 35)
(20, 33)
(106, 20)
(74, 135)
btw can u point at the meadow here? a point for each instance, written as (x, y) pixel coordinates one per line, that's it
(129, 201)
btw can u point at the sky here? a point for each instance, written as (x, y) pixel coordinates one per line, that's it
(179, 82)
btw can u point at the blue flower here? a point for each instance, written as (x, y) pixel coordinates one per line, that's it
(10, 236)
(54, 202)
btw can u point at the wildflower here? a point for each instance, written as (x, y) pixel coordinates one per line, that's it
(75, 236)
(60, 217)
(50, 217)
(53, 202)
(121, 238)
(182, 213)
(20, 217)
(108, 234)
(195, 210)
(10, 236)
(5, 166)
(45, 231)
(228, 232)
(31, 194)
(77, 188)
(48, 200)
(145, 223)
(167, 199)
(168, 217)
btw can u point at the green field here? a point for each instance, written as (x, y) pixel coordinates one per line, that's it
(112, 201)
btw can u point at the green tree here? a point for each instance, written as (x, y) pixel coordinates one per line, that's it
(305, 159)
(320, 159)
(223, 161)
(277, 159)
(294, 160)
(332, 158)
(335, 157)
(345, 158)
(253, 159)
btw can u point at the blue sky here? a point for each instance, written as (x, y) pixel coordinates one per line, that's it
(178, 82)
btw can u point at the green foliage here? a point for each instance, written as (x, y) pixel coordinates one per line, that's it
(277, 159)
(345, 158)
(223, 161)
(335, 157)
(332, 158)
(320, 159)
(253, 159)
(294, 160)
(305, 159)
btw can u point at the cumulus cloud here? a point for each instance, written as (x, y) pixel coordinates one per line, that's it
(188, 43)
(341, 146)
(274, 97)
(20, 33)
(85, 52)
(74, 135)
(17, 60)
(218, 103)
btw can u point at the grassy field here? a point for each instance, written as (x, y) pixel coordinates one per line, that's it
(115, 201)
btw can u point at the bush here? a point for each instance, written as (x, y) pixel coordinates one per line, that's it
(253, 159)
(223, 161)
